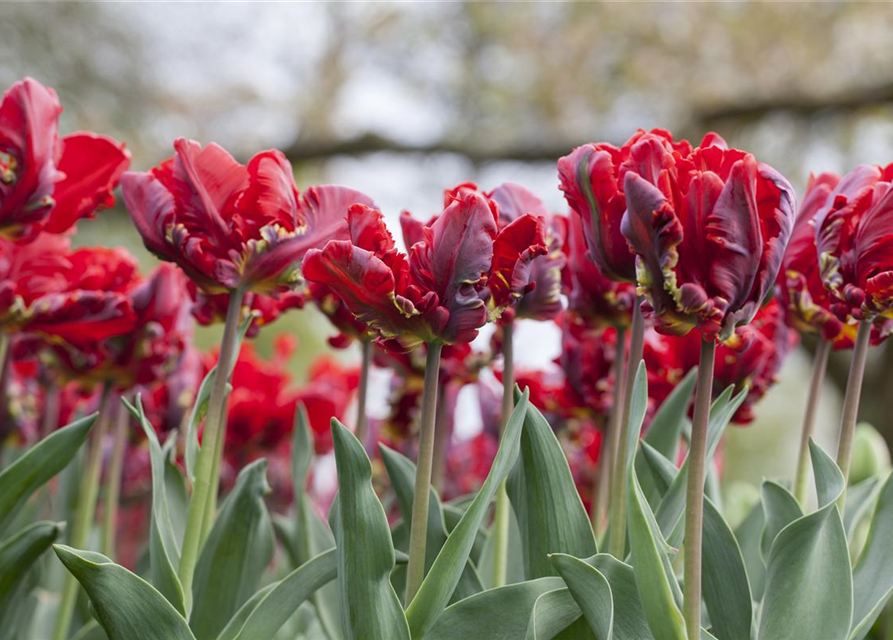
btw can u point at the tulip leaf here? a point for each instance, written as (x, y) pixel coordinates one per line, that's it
(261, 617)
(551, 516)
(127, 607)
(591, 591)
(873, 573)
(656, 471)
(370, 608)
(40, 463)
(780, 509)
(238, 550)
(654, 576)
(668, 423)
(495, 614)
(556, 614)
(402, 473)
(809, 581)
(438, 586)
(629, 618)
(164, 546)
(859, 501)
(749, 535)
(726, 589)
(515, 569)
(451, 517)
(17, 557)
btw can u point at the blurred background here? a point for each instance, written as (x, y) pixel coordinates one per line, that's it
(403, 100)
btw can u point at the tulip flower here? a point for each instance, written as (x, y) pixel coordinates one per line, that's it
(208, 309)
(854, 244)
(48, 182)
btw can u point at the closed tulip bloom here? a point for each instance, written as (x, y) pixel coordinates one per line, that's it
(709, 229)
(231, 226)
(436, 293)
(208, 309)
(854, 242)
(49, 182)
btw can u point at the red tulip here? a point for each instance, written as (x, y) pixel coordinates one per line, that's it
(231, 226)
(435, 294)
(210, 309)
(333, 307)
(592, 178)
(709, 229)
(854, 242)
(48, 182)
(168, 400)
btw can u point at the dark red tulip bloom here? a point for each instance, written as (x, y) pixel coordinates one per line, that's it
(333, 307)
(854, 242)
(231, 226)
(593, 298)
(169, 400)
(709, 229)
(435, 294)
(210, 309)
(48, 182)
(592, 178)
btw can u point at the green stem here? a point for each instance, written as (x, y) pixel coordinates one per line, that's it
(601, 491)
(501, 519)
(113, 480)
(851, 404)
(617, 540)
(694, 495)
(441, 441)
(415, 571)
(83, 515)
(819, 366)
(362, 427)
(207, 468)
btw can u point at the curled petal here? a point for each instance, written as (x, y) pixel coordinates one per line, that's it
(514, 249)
(514, 201)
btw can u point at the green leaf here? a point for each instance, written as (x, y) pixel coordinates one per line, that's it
(553, 612)
(41, 462)
(666, 428)
(127, 607)
(653, 575)
(437, 587)
(515, 568)
(238, 550)
(873, 574)
(551, 516)
(638, 408)
(451, 517)
(859, 500)
(261, 617)
(655, 471)
(496, 614)
(809, 582)
(591, 591)
(629, 618)
(726, 589)
(780, 508)
(402, 473)
(301, 451)
(164, 546)
(18, 555)
(370, 607)
(749, 535)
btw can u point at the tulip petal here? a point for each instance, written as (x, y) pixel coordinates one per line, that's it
(514, 201)
(514, 248)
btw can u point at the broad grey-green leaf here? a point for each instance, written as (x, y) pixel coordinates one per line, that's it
(40, 463)
(263, 616)
(370, 609)
(749, 535)
(437, 587)
(515, 569)
(402, 473)
(18, 555)
(233, 559)
(873, 574)
(726, 589)
(780, 508)
(127, 607)
(591, 591)
(809, 582)
(164, 547)
(555, 613)
(638, 408)
(551, 516)
(496, 614)
(451, 517)
(629, 618)
(301, 451)
(666, 428)
(649, 556)
(860, 499)
(655, 470)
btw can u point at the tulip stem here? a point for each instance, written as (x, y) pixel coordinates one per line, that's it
(441, 441)
(819, 367)
(113, 480)
(694, 495)
(207, 468)
(83, 515)
(501, 519)
(418, 534)
(617, 539)
(851, 404)
(602, 484)
(362, 392)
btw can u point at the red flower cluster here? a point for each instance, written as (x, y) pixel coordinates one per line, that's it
(47, 182)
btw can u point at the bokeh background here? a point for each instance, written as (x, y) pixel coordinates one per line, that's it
(402, 100)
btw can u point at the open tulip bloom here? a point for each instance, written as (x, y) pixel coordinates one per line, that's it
(679, 279)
